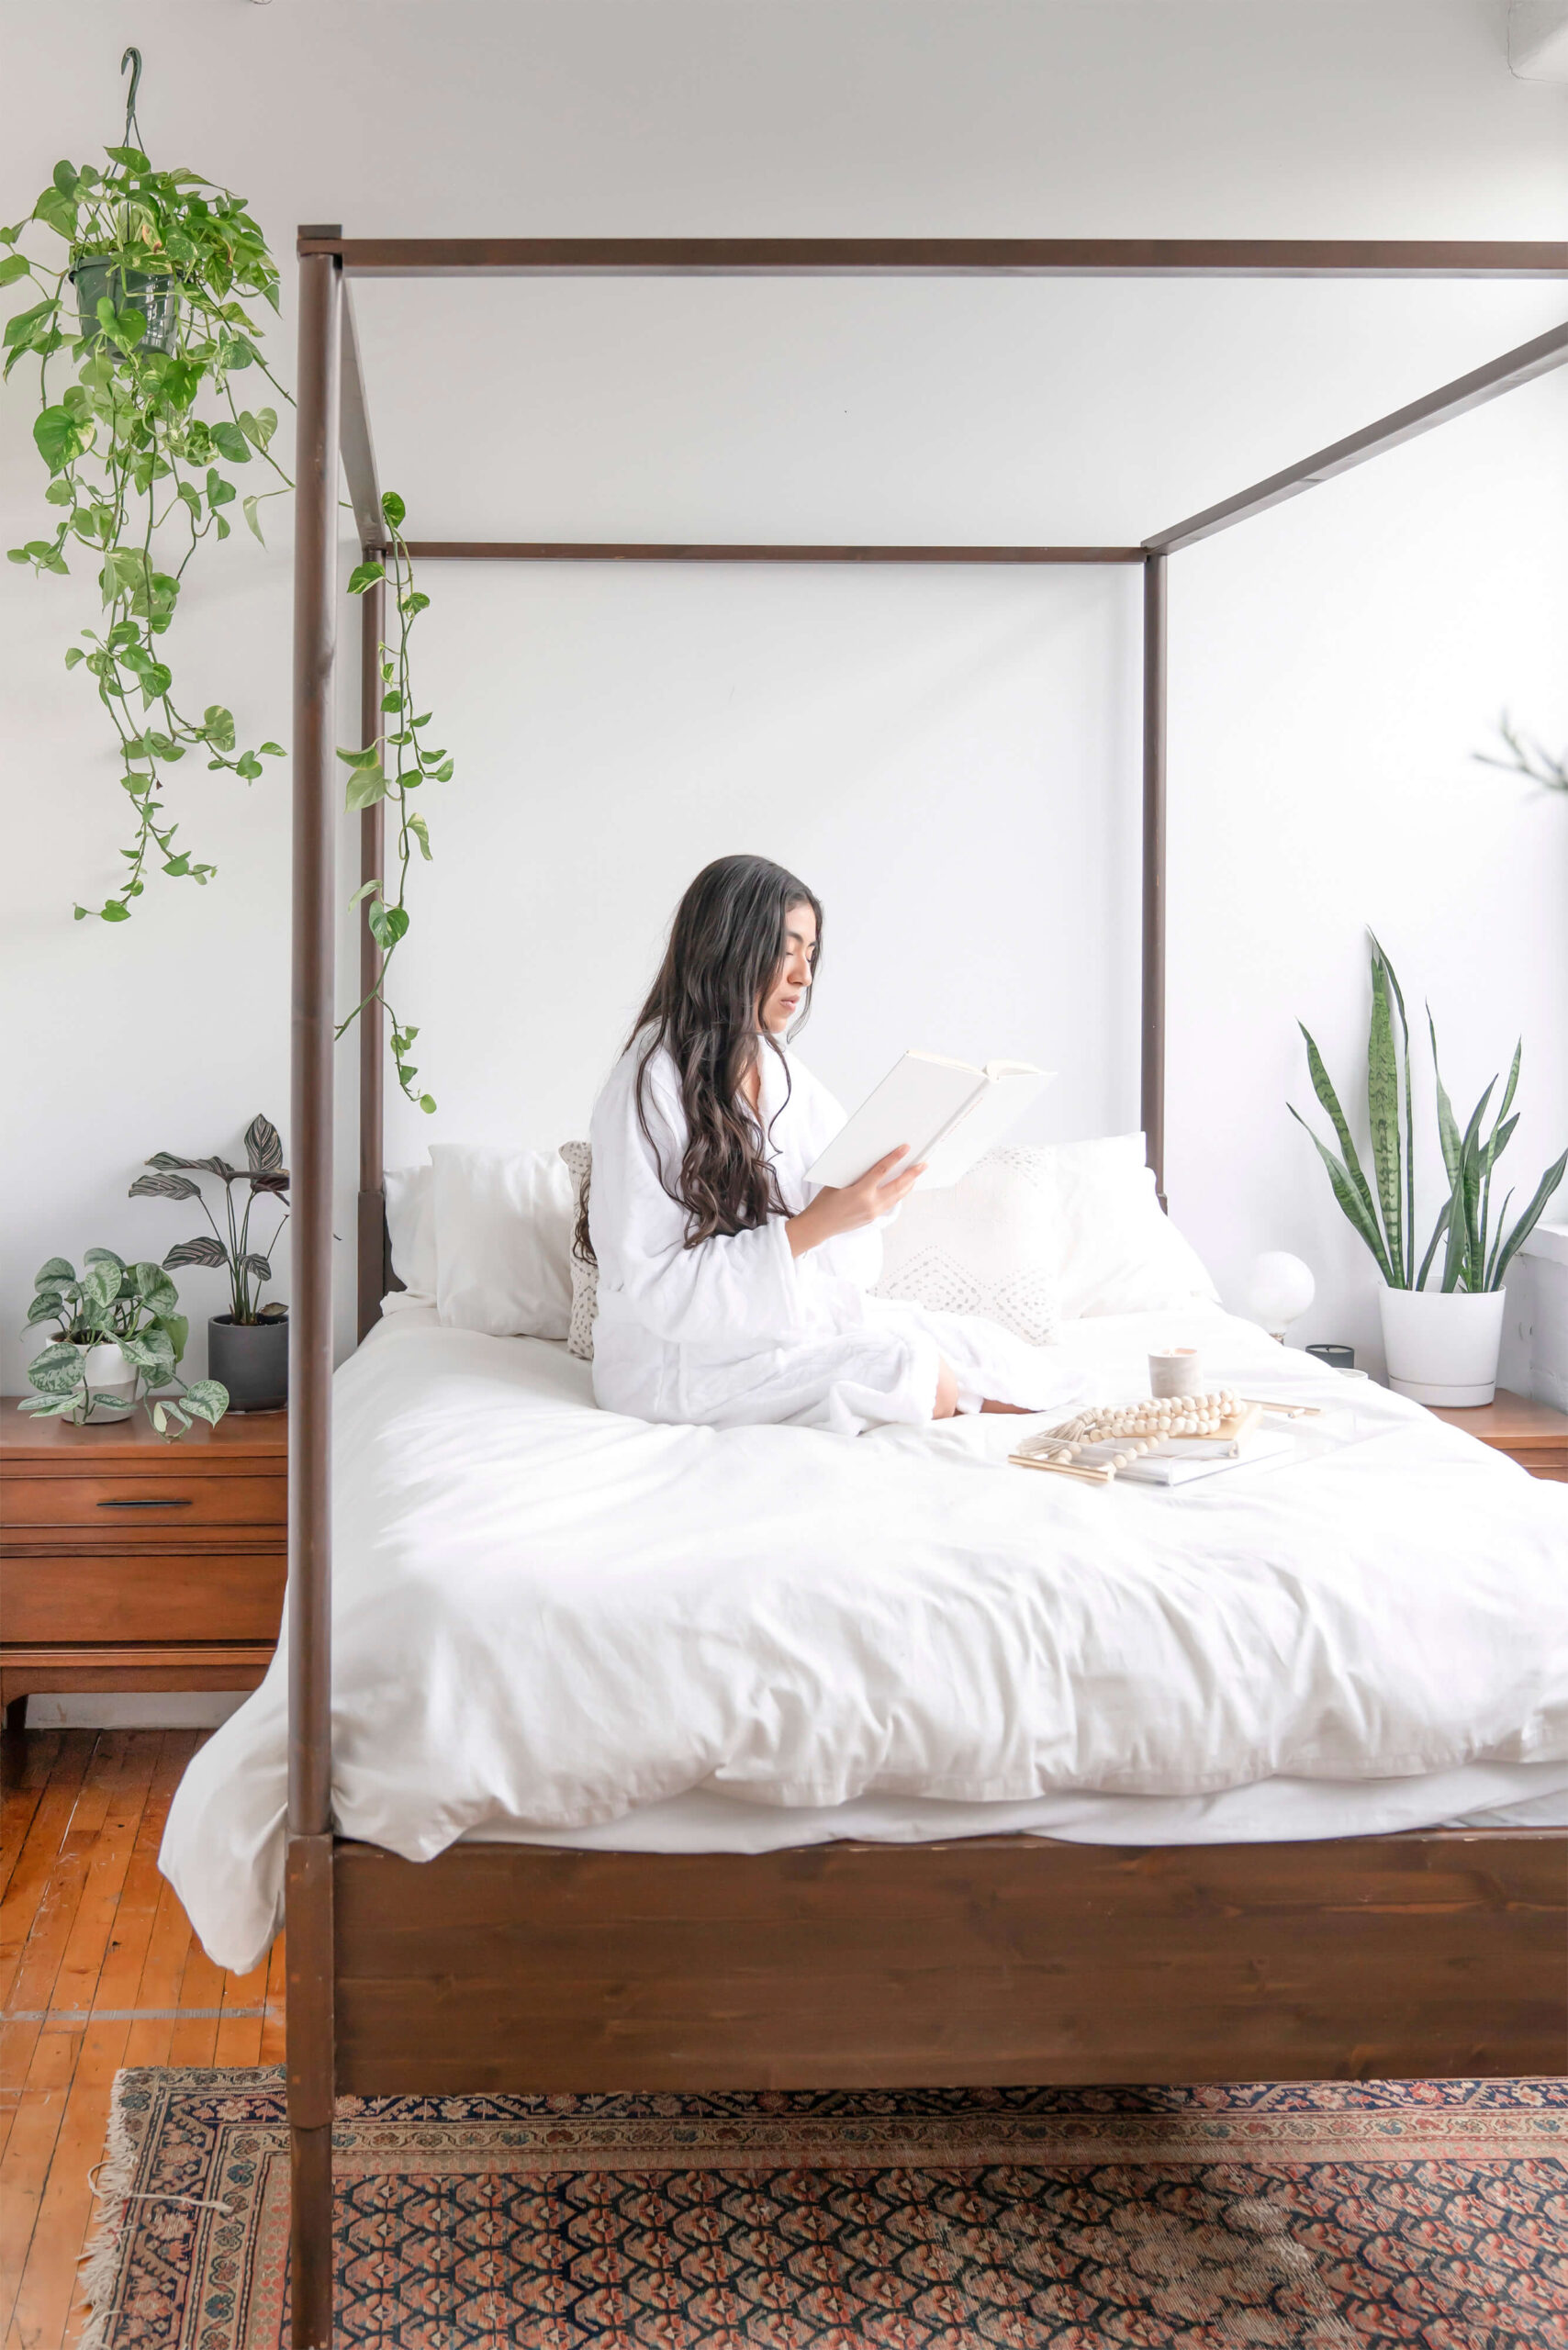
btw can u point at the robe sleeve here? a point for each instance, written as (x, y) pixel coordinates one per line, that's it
(735, 1289)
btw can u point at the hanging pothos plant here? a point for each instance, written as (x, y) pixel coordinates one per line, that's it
(415, 764)
(160, 264)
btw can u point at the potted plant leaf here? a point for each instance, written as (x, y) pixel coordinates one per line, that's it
(1442, 1343)
(247, 1346)
(138, 289)
(119, 1334)
(140, 286)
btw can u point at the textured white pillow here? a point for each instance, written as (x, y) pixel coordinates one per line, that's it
(503, 1225)
(984, 1244)
(410, 1229)
(578, 1157)
(1040, 1229)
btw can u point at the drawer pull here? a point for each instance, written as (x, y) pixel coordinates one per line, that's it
(182, 1501)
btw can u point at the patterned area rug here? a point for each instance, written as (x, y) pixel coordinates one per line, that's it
(1433, 2214)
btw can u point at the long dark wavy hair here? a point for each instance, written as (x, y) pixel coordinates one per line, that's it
(725, 946)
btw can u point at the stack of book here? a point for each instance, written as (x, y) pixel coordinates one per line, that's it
(1236, 1443)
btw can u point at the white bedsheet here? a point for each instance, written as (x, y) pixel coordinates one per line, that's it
(548, 1619)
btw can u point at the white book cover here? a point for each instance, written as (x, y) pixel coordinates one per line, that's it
(945, 1112)
(1173, 1468)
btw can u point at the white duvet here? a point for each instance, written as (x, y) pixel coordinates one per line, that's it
(547, 1617)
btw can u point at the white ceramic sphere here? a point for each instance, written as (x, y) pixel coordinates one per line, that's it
(1281, 1290)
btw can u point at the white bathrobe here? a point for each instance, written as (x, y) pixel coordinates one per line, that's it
(739, 1331)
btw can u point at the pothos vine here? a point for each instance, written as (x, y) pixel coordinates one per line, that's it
(129, 459)
(386, 907)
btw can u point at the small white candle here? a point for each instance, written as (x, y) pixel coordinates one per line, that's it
(1176, 1371)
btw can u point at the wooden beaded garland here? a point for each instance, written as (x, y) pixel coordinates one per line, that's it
(1137, 1428)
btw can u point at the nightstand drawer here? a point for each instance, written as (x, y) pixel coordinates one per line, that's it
(138, 1508)
(222, 1596)
(1552, 1466)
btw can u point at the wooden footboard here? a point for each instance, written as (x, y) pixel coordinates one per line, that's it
(995, 1960)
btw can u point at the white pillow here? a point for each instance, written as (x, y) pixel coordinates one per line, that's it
(410, 1229)
(984, 1244)
(1074, 1226)
(503, 1221)
(578, 1157)
(1120, 1252)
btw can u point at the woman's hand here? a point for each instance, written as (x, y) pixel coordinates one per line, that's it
(854, 1205)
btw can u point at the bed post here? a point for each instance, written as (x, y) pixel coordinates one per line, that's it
(372, 1279)
(1152, 1095)
(308, 1891)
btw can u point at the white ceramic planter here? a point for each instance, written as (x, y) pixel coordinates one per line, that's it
(1442, 1349)
(107, 1372)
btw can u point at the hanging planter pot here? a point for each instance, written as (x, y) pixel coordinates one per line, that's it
(157, 298)
(1443, 1346)
(252, 1361)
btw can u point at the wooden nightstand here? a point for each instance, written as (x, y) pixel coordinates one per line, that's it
(130, 1563)
(1532, 1434)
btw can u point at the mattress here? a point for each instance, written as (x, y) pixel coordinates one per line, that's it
(552, 1624)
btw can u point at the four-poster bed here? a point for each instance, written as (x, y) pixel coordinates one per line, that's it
(993, 1960)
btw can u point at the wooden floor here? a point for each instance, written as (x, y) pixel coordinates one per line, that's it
(97, 1969)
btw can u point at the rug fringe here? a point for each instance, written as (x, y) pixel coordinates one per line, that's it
(100, 2260)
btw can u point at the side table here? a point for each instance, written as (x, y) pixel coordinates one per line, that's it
(132, 1563)
(1535, 1435)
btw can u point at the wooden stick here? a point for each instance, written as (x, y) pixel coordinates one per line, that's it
(1063, 1468)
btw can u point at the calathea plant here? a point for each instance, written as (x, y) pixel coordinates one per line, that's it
(112, 1304)
(1475, 1257)
(139, 441)
(263, 1176)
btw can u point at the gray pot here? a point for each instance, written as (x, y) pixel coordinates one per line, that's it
(252, 1360)
(158, 300)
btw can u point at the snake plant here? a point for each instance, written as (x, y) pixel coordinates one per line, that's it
(1382, 1211)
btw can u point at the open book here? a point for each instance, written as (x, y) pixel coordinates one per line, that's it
(948, 1113)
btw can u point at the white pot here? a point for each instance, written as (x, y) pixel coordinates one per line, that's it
(1442, 1348)
(107, 1372)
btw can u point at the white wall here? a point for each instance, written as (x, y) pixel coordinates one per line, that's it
(1334, 664)
(949, 760)
(1333, 671)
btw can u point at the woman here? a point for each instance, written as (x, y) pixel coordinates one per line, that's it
(732, 1291)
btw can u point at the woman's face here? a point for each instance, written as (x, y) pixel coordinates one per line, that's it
(791, 980)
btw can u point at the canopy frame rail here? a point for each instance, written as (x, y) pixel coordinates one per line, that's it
(333, 422)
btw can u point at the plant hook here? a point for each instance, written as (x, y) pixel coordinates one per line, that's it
(133, 59)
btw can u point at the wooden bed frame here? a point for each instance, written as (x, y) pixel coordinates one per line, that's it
(1006, 1960)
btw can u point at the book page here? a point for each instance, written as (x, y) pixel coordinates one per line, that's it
(992, 1114)
(915, 1103)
